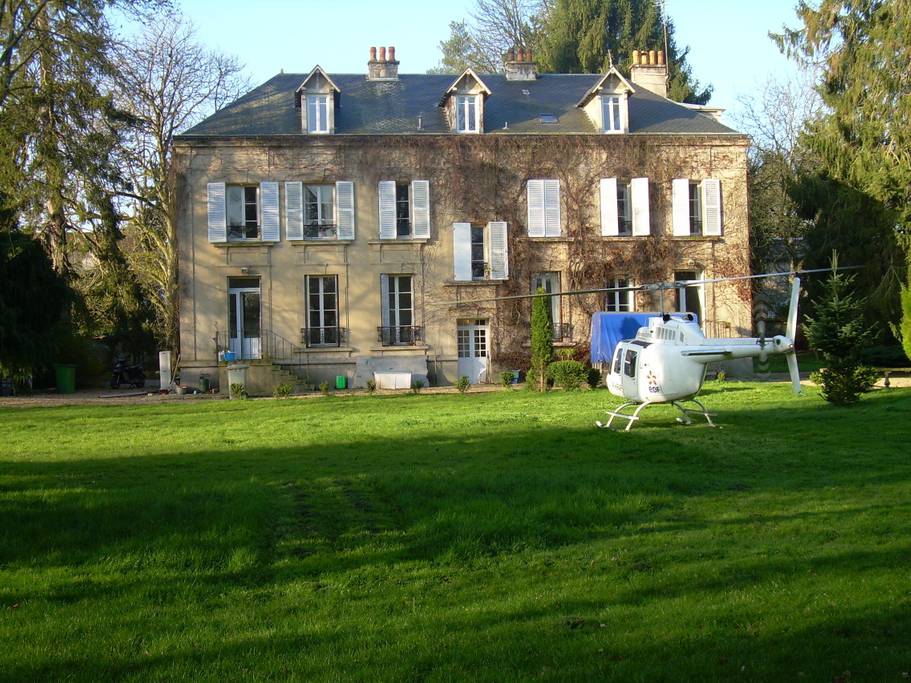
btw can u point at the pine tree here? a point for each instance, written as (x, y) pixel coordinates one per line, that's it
(577, 35)
(542, 345)
(839, 333)
(864, 53)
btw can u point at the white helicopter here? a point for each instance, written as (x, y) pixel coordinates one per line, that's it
(666, 362)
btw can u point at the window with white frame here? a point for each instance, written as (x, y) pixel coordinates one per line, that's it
(480, 252)
(550, 283)
(620, 300)
(398, 310)
(467, 113)
(242, 207)
(610, 113)
(624, 209)
(695, 208)
(319, 212)
(402, 210)
(322, 310)
(318, 113)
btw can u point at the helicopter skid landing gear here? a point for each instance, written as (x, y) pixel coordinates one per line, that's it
(630, 419)
(688, 411)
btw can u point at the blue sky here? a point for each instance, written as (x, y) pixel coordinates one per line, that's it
(729, 46)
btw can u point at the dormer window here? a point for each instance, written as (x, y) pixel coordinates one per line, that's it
(467, 113)
(319, 97)
(463, 103)
(318, 113)
(610, 114)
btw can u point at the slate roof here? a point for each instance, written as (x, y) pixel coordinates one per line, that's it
(393, 107)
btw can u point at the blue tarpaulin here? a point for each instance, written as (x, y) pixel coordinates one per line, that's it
(610, 328)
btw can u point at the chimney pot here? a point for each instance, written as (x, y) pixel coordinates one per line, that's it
(372, 54)
(661, 57)
(635, 57)
(511, 55)
(652, 57)
(392, 53)
(382, 54)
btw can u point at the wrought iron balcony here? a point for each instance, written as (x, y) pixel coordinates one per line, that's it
(320, 231)
(323, 336)
(562, 332)
(402, 335)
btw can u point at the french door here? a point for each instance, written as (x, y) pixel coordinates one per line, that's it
(244, 321)
(472, 342)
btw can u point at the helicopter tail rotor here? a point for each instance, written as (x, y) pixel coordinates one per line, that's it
(763, 354)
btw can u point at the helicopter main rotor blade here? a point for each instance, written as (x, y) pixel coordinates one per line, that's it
(793, 370)
(791, 329)
(650, 287)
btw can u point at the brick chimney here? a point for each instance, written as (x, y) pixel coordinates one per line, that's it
(520, 65)
(649, 71)
(382, 69)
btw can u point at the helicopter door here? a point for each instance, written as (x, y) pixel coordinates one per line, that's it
(630, 373)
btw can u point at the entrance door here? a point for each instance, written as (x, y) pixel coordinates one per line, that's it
(243, 321)
(471, 338)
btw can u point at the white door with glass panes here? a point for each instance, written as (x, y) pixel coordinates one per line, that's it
(550, 283)
(472, 341)
(322, 311)
(398, 311)
(243, 321)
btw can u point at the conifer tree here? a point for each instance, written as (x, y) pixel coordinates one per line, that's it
(542, 344)
(837, 331)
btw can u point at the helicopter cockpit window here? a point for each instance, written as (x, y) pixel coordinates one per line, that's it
(618, 360)
(630, 365)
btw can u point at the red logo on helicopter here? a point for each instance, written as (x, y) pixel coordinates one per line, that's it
(653, 386)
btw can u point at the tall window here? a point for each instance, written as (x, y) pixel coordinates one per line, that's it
(400, 311)
(624, 209)
(550, 283)
(478, 253)
(467, 113)
(319, 212)
(242, 206)
(402, 210)
(318, 113)
(610, 112)
(695, 209)
(619, 301)
(322, 310)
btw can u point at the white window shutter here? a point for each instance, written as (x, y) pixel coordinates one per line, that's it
(536, 208)
(420, 209)
(270, 230)
(639, 196)
(461, 251)
(384, 299)
(711, 207)
(387, 209)
(552, 208)
(344, 209)
(498, 238)
(218, 218)
(609, 223)
(681, 207)
(294, 211)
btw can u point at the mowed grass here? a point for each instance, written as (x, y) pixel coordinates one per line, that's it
(444, 537)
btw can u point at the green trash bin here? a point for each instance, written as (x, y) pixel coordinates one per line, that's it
(340, 381)
(66, 378)
(204, 383)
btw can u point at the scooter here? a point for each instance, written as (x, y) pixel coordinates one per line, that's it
(127, 374)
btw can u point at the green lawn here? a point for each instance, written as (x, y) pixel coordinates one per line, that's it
(443, 537)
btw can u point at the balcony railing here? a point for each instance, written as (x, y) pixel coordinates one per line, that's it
(322, 336)
(402, 335)
(325, 231)
(562, 332)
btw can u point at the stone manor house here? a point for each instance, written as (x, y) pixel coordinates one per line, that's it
(353, 224)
